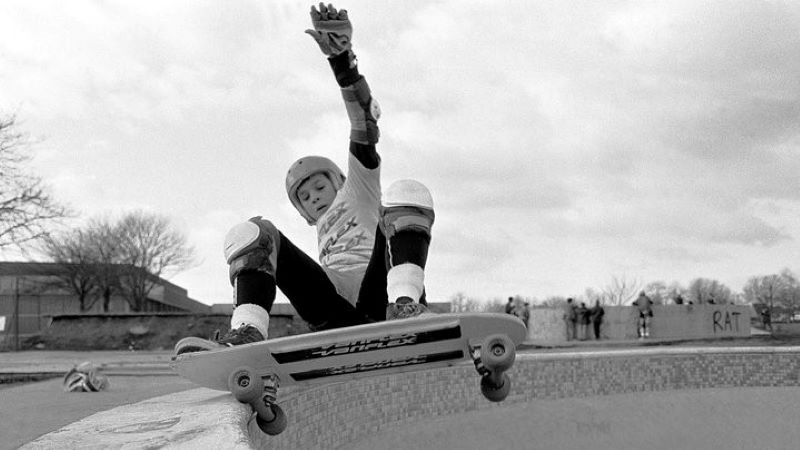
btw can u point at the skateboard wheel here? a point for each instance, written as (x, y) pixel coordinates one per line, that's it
(245, 385)
(276, 425)
(493, 392)
(498, 353)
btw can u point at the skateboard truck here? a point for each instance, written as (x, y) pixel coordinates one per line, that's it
(261, 393)
(492, 358)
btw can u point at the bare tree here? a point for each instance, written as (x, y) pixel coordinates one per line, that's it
(658, 292)
(72, 250)
(497, 305)
(553, 302)
(593, 296)
(26, 206)
(106, 249)
(675, 290)
(792, 294)
(621, 290)
(126, 257)
(459, 302)
(703, 290)
(778, 289)
(149, 247)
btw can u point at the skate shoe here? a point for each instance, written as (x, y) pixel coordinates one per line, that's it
(84, 378)
(405, 308)
(245, 334)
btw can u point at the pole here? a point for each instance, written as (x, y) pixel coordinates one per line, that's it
(16, 314)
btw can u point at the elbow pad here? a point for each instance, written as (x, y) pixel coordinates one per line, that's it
(363, 111)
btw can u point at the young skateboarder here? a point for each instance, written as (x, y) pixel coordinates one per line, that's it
(372, 254)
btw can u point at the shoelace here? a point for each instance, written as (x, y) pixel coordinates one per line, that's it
(228, 336)
(409, 308)
(233, 334)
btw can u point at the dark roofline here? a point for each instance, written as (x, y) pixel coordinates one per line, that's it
(31, 268)
(54, 268)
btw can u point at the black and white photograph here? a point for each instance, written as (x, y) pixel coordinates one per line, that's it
(372, 224)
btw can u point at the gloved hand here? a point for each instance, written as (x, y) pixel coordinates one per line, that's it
(332, 29)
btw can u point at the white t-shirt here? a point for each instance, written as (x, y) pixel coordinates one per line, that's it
(346, 232)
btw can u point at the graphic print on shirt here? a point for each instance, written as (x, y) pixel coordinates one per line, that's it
(343, 240)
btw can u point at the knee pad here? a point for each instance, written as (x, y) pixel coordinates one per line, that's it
(407, 205)
(252, 245)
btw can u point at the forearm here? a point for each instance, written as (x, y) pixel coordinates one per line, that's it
(344, 68)
(361, 109)
(366, 155)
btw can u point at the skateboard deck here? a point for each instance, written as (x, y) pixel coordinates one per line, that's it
(397, 346)
(420, 343)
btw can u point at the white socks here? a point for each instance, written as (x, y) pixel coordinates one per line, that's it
(405, 280)
(251, 314)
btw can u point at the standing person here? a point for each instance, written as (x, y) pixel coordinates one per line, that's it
(526, 314)
(510, 306)
(597, 314)
(644, 307)
(372, 255)
(570, 318)
(766, 318)
(522, 311)
(583, 321)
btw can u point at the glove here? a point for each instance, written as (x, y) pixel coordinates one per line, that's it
(332, 29)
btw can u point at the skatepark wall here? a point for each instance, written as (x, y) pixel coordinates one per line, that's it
(156, 331)
(668, 322)
(339, 414)
(335, 415)
(145, 331)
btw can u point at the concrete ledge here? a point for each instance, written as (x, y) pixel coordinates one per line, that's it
(194, 419)
(337, 414)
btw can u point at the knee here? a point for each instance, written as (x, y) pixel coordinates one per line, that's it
(252, 246)
(407, 206)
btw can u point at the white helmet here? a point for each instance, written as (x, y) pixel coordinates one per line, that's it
(302, 169)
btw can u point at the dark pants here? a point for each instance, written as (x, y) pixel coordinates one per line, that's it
(597, 329)
(314, 296)
(571, 332)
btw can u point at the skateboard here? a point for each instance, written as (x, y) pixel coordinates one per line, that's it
(254, 372)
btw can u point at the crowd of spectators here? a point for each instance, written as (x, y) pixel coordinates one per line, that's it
(578, 319)
(521, 309)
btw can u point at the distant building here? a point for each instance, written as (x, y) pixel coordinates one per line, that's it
(35, 289)
(222, 308)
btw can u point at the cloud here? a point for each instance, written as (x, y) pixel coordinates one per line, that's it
(563, 142)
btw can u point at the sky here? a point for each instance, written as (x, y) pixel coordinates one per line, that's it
(565, 143)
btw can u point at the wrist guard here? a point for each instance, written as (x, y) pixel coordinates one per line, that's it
(345, 68)
(363, 111)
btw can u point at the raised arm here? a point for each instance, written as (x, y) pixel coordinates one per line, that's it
(333, 33)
